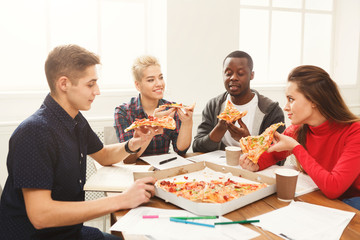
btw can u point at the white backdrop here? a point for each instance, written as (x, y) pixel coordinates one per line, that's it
(199, 35)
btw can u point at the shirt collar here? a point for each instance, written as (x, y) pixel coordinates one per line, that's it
(62, 115)
(325, 128)
(139, 108)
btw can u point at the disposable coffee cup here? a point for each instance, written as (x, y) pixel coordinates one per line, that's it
(232, 155)
(286, 180)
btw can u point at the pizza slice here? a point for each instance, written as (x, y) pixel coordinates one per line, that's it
(164, 122)
(173, 105)
(230, 113)
(256, 145)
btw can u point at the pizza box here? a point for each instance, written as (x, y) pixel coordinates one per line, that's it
(217, 209)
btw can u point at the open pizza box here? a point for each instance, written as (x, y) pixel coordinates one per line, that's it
(217, 209)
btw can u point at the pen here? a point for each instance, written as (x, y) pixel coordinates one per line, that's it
(283, 235)
(167, 160)
(191, 222)
(237, 222)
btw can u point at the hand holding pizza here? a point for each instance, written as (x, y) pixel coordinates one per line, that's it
(282, 143)
(161, 112)
(248, 164)
(238, 132)
(144, 134)
(227, 118)
(186, 114)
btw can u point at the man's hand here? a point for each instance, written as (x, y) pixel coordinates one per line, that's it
(237, 132)
(218, 131)
(143, 134)
(247, 164)
(282, 143)
(140, 192)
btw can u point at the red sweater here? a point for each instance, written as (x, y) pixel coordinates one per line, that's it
(332, 158)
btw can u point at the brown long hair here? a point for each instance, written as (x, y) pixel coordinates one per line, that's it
(317, 86)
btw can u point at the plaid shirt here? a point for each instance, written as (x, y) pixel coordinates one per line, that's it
(127, 113)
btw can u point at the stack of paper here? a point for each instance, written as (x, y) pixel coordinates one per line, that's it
(162, 228)
(301, 220)
(217, 157)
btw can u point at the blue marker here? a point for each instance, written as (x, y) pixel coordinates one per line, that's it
(191, 222)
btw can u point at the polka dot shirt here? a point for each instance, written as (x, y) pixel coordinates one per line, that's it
(47, 151)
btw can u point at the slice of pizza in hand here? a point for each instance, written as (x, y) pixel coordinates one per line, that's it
(254, 146)
(164, 122)
(173, 105)
(230, 113)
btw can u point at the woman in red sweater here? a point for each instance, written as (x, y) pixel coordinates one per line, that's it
(324, 136)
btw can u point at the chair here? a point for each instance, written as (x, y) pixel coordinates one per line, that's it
(92, 195)
(107, 136)
(110, 135)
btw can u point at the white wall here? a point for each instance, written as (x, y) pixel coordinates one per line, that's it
(199, 35)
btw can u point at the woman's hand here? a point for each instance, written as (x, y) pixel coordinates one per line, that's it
(282, 143)
(247, 164)
(186, 114)
(161, 112)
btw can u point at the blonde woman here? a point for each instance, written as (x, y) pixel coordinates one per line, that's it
(149, 81)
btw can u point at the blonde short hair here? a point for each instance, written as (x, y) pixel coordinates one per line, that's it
(141, 63)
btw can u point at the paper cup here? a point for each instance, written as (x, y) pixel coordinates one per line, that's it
(286, 180)
(232, 155)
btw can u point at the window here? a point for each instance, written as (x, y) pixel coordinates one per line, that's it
(283, 34)
(117, 30)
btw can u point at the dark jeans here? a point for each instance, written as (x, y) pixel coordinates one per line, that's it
(354, 202)
(108, 236)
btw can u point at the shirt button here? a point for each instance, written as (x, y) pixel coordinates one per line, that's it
(80, 181)
(81, 155)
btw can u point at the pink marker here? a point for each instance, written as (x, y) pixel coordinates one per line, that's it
(150, 216)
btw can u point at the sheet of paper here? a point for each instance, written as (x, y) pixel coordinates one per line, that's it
(156, 159)
(304, 184)
(114, 178)
(215, 156)
(163, 228)
(301, 220)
